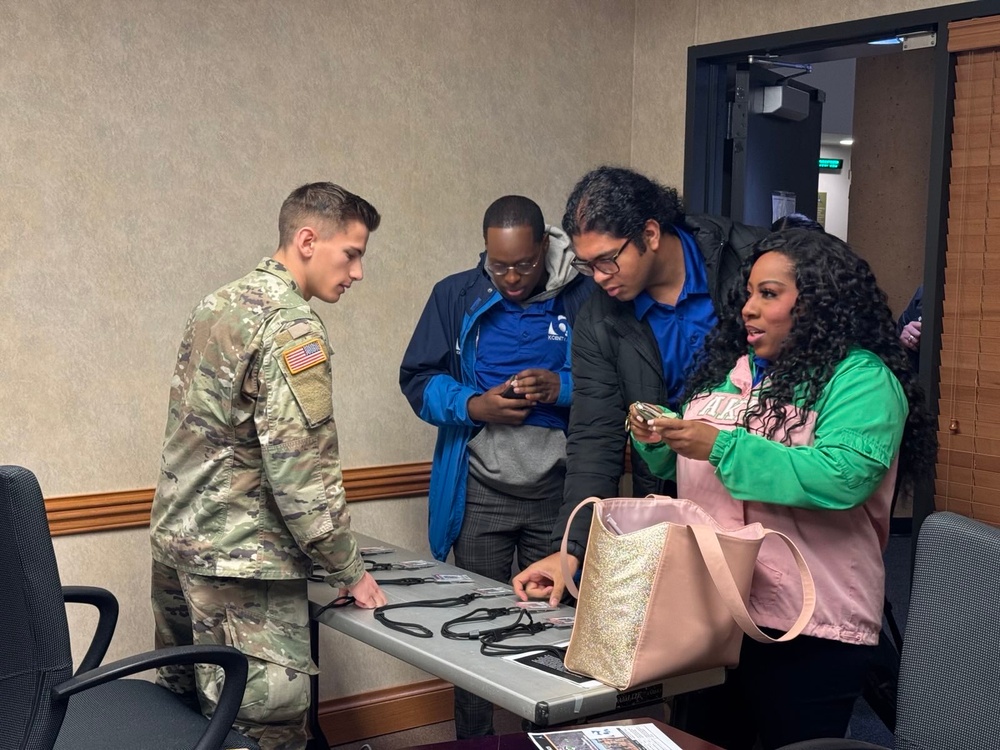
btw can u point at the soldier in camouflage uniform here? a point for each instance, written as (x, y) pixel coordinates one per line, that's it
(250, 495)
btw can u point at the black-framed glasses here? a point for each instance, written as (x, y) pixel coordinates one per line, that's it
(502, 269)
(607, 266)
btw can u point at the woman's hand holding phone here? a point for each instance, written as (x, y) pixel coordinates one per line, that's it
(639, 421)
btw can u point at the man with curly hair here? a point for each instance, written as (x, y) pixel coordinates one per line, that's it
(664, 274)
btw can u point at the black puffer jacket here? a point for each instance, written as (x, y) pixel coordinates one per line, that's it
(616, 361)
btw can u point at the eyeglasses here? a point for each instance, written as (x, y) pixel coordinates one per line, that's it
(522, 269)
(607, 266)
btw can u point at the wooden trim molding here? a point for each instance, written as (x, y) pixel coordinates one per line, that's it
(396, 709)
(974, 34)
(101, 511)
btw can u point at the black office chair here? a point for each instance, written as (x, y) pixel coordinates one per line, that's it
(949, 679)
(43, 704)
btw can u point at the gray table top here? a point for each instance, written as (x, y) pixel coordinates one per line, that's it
(543, 698)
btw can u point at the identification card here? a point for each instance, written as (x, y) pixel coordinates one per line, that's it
(491, 592)
(376, 550)
(451, 578)
(561, 622)
(538, 606)
(416, 564)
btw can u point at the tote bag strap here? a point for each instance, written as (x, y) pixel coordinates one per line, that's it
(564, 555)
(722, 576)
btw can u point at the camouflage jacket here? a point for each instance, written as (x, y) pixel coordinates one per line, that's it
(250, 483)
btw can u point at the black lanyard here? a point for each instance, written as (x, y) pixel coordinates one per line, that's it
(343, 601)
(340, 601)
(490, 639)
(484, 614)
(413, 628)
(319, 575)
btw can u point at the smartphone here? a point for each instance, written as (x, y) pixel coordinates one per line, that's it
(647, 411)
(509, 391)
(651, 411)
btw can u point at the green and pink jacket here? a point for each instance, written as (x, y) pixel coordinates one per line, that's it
(830, 490)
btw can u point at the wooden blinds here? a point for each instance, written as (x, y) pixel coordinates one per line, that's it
(968, 469)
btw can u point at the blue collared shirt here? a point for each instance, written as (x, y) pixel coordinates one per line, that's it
(512, 338)
(759, 367)
(680, 329)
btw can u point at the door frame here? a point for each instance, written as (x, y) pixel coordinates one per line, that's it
(704, 148)
(741, 81)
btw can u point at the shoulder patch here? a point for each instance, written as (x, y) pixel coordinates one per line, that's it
(300, 329)
(307, 354)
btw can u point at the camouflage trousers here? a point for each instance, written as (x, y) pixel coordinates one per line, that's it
(266, 620)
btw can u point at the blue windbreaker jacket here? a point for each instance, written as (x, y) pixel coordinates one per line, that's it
(438, 377)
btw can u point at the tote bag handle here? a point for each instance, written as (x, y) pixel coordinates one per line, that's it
(564, 555)
(722, 576)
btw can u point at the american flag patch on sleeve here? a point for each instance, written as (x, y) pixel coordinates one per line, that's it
(304, 356)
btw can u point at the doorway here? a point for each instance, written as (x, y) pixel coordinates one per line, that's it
(708, 125)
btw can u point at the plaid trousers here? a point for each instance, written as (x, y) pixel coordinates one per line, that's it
(495, 526)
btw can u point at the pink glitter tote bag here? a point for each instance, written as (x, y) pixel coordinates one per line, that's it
(664, 591)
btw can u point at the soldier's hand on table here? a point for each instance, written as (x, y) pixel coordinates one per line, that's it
(366, 593)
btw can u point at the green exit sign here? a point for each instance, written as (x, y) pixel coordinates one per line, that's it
(831, 163)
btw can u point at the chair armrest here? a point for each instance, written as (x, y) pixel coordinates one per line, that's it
(832, 744)
(107, 618)
(233, 663)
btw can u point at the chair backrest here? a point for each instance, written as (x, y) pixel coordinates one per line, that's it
(949, 683)
(36, 654)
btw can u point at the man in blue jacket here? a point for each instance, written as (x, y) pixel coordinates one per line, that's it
(489, 365)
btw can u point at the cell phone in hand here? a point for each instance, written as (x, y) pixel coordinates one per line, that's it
(508, 392)
(651, 411)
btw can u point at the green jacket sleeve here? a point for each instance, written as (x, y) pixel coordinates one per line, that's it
(658, 457)
(859, 426)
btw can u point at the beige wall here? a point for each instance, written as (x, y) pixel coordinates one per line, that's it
(893, 107)
(665, 30)
(145, 147)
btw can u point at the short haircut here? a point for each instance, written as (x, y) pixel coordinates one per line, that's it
(514, 211)
(618, 202)
(327, 202)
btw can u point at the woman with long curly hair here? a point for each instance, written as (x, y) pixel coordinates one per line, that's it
(799, 414)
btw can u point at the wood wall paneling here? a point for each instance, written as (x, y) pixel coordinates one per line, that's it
(379, 712)
(101, 511)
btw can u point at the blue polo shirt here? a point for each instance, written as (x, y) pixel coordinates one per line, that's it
(680, 329)
(512, 338)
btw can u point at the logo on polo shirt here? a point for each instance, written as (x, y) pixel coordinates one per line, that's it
(559, 329)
